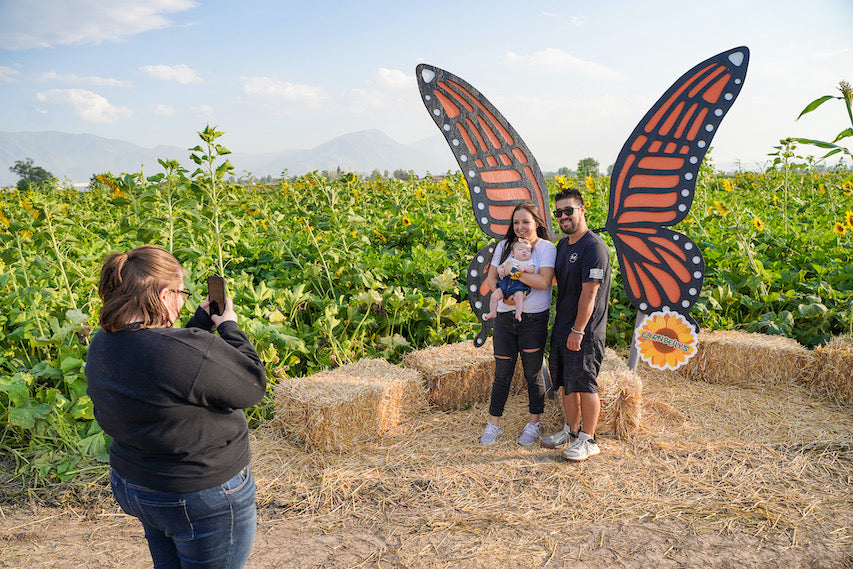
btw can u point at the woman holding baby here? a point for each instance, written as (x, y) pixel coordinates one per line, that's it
(524, 336)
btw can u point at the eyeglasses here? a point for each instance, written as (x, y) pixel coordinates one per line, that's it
(182, 291)
(558, 213)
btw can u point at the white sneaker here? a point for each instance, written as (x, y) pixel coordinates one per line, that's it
(559, 439)
(491, 434)
(581, 450)
(530, 434)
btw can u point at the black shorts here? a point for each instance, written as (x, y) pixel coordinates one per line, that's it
(576, 371)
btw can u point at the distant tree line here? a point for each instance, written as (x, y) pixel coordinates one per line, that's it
(29, 174)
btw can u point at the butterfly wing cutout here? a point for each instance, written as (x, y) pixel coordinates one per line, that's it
(478, 292)
(495, 161)
(497, 165)
(654, 180)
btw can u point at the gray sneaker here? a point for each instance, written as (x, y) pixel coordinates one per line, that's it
(491, 434)
(581, 450)
(559, 439)
(530, 434)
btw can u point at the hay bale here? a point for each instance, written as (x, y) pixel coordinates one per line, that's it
(612, 361)
(459, 375)
(355, 403)
(621, 395)
(746, 359)
(832, 369)
(620, 392)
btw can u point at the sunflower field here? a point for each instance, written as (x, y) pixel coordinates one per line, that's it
(325, 270)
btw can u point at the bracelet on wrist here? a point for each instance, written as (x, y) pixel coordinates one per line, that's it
(577, 331)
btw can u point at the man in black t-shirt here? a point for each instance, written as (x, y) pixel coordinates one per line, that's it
(582, 273)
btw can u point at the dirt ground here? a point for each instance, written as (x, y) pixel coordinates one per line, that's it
(721, 477)
(61, 538)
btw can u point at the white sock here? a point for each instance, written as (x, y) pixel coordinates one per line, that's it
(582, 436)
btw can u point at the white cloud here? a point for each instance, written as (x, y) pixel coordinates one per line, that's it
(180, 73)
(8, 74)
(829, 54)
(87, 105)
(88, 80)
(283, 95)
(395, 79)
(361, 101)
(390, 91)
(577, 21)
(554, 60)
(47, 23)
(166, 110)
(204, 111)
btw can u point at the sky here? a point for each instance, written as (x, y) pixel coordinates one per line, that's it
(573, 78)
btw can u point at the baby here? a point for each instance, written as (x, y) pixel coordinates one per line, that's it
(510, 286)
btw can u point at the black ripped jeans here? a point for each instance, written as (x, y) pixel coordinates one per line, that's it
(511, 338)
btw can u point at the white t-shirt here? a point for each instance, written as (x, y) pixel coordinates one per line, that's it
(544, 254)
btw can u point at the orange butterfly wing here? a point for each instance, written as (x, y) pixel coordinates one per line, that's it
(497, 165)
(654, 180)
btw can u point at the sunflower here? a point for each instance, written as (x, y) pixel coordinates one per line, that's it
(562, 183)
(759, 225)
(849, 218)
(107, 182)
(838, 228)
(29, 207)
(406, 221)
(666, 340)
(590, 184)
(727, 185)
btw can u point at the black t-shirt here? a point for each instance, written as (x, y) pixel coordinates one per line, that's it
(584, 261)
(173, 400)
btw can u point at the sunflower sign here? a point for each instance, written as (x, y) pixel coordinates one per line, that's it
(666, 340)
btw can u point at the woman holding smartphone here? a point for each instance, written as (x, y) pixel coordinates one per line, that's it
(172, 399)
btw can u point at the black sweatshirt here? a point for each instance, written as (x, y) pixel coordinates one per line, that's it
(172, 399)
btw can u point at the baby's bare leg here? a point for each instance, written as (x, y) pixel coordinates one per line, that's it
(497, 296)
(519, 304)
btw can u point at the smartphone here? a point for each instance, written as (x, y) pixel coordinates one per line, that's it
(216, 293)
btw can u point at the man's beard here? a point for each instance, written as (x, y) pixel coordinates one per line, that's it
(573, 229)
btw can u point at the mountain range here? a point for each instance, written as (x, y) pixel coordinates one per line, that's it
(76, 157)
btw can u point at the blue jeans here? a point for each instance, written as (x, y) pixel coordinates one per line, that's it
(210, 529)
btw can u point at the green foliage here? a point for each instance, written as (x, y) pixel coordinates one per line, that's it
(832, 148)
(327, 271)
(322, 272)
